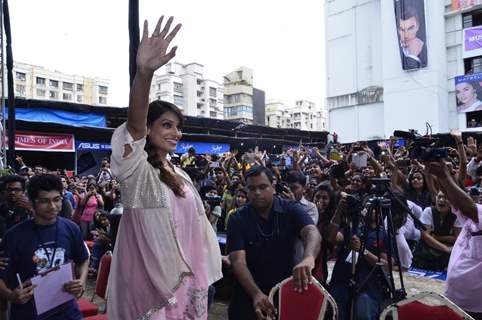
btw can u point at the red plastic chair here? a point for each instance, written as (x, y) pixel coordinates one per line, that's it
(309, 305)
(413, 308)
(88, 307)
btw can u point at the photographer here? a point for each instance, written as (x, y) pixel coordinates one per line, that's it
(368, 300)
(212, 204)
(105, 175)
(465, 266)
(89, 205)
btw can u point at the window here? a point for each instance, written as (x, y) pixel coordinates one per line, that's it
(53, 83)
(178, 100)
(472, 19)
(474, 119)
(67, 96)
(68, 86)
(212, 102)
(473, 65)
(20, 90)
(40, 81)
(239, 112)
(159, 87)
(53, 94)
(79, 98)
(178, 87)
(103, 90)
(212, 92)
(212, 114)
(40, 93)
(102, 100)
(80, 87)
(20, 76)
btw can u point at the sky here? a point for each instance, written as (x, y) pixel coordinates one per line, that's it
(281, 40)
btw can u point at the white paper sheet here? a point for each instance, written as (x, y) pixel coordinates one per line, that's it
(49, 292)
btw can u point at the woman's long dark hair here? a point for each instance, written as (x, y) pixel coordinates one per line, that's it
(329, 212)
(156, 110)
(423, 199)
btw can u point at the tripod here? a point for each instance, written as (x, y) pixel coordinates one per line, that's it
(378, 206)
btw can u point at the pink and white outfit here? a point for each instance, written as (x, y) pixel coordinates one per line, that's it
(166, 253)
(465, 267)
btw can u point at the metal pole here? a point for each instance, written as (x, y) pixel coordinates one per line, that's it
(134, 37)
(3, 149)
(11, 93)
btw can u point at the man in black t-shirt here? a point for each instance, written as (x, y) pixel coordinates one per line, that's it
(38, 244)
(261, 238)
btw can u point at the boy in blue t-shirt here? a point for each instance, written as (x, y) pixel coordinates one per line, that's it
(38, 244)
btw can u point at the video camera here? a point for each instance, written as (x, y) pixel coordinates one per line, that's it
(422, 148)
(214, 201)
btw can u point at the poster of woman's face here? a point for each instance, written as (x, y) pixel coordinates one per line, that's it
(411, 31)
(468, 91)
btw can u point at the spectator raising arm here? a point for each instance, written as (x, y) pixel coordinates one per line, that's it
(457, 197)
(461, 155)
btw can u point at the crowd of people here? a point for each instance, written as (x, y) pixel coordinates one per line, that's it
(283, 215)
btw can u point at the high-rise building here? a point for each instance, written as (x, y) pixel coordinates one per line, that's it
(305, 115)
(277, 115)
(375, 85)
(238, 95)
(35, 82)
(185, 86)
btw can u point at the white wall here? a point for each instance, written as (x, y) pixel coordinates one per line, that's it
(413, 98)
(358, 123)
(362, 51)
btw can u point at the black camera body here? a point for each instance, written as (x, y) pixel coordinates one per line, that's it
(423, 148)
(428, 154)
(214, 201)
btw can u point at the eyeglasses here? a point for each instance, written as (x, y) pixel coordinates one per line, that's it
(45, 201)
(16, 190)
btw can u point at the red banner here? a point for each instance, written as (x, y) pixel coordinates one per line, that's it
(31, 141)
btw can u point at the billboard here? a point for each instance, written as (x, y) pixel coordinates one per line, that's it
(464, 4)
(411, 33)
(468, 92)
(202, 147)
(92, 146)
(31, 141)
(472, 42)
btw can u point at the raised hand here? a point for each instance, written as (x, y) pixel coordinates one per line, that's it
(472, 145)
(153, 51)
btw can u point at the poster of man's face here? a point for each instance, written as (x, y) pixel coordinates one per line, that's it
(410, 21)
